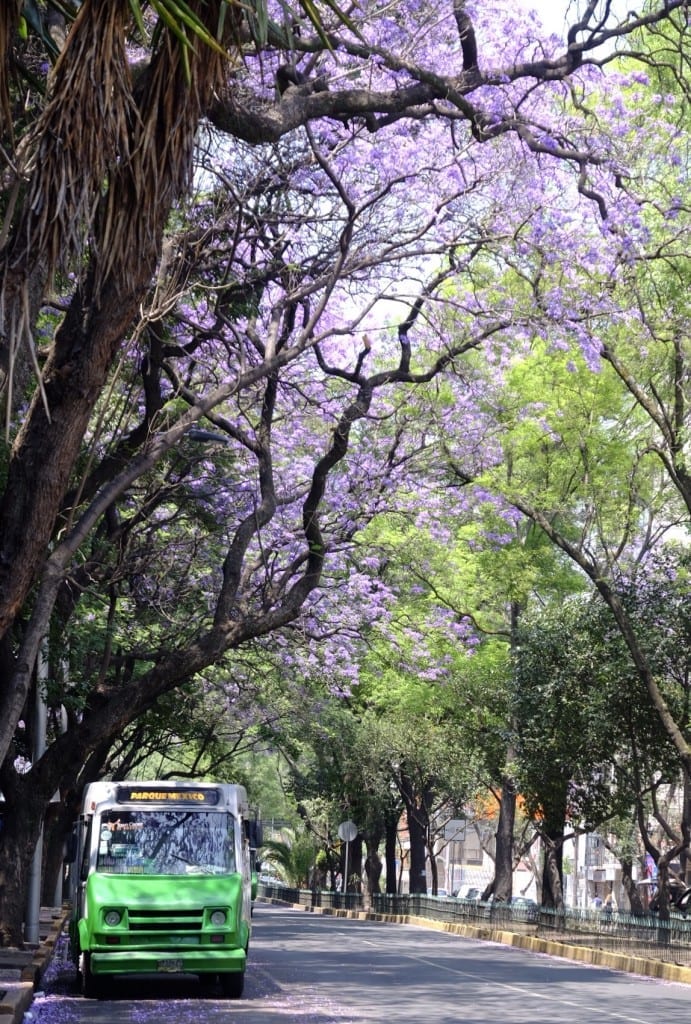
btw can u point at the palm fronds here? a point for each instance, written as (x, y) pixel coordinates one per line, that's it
(293, 855)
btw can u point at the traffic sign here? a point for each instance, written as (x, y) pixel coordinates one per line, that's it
(455, 829)
(347, 831)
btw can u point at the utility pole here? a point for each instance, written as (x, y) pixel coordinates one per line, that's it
(33, 909)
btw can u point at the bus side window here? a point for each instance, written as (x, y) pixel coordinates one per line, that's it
(84, 867)
(230, 846)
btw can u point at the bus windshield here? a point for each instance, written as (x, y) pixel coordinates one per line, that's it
(151, 842)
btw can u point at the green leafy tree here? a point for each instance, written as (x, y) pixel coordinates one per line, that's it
(590, 749)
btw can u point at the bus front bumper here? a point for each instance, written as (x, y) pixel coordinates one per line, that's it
(152, 961)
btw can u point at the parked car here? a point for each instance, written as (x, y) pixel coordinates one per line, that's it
(267, 879)
(527, 909)
(468, 894)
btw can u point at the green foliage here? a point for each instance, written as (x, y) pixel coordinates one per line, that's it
(261, 770)
(294, 856)
(580, 710)
(570, 440)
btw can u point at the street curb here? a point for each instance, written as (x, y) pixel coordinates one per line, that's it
(17, 996)
(657, 969)
(16, 999)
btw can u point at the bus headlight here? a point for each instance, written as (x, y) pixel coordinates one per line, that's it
(218, 917)
(112, 917)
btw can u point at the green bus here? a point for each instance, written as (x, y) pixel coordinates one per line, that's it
(162, 882)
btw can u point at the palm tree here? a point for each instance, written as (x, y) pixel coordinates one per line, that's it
(293, 856)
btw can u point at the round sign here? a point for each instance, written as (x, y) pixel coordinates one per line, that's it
(347, 831)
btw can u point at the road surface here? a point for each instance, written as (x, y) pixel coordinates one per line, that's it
(312, 969)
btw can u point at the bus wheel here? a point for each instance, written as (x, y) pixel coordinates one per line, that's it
(90, 986)
(232, 984)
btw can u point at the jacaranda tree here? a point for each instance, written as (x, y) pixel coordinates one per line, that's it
(412, 146)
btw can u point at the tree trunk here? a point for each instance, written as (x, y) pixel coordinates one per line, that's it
(373, 862)
(684, 858)
(417, 832)
(552, 833)
(502, 885)
(354, 880)
(630, 888)
(390, 854)
(433, 880)
(27, 805)
(57, 830)
(21, 826)
(663, 899)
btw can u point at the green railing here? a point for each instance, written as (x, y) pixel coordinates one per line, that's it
(645, 936)
(312, 898)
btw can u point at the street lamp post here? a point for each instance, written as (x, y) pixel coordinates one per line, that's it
(33, 910)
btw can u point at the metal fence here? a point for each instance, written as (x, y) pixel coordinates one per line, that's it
(310, 898)
(618, 932)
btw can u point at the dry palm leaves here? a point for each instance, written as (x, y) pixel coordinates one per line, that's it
(82, 131)
(102, 166)
(81, 134)
(96, 143)
(106, 160)
(170, 99)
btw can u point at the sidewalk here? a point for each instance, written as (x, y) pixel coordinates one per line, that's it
(21, 970)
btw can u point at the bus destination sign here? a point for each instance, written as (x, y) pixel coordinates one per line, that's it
(166, 795)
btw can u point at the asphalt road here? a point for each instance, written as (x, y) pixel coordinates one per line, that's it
(312, 969)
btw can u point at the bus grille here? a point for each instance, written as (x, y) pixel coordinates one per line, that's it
(165, 920)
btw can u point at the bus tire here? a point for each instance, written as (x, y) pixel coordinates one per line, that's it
(90, 986)
(232, 984)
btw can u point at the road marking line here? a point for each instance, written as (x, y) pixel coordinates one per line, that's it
(521, 990)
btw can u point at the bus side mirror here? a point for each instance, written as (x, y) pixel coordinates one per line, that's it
(254, 833)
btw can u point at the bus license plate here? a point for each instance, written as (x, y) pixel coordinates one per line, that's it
(169, 966)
